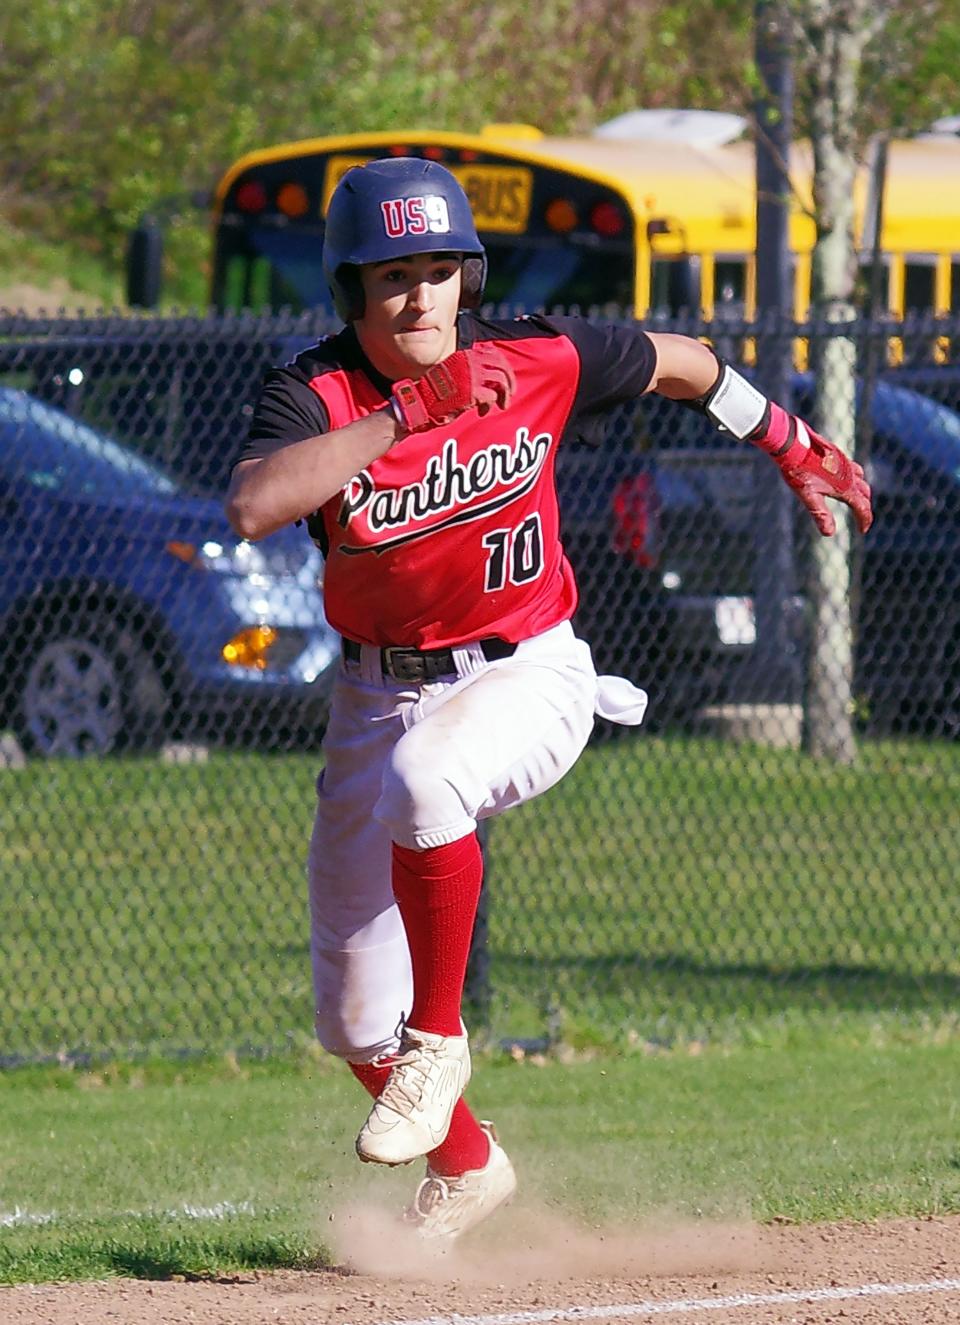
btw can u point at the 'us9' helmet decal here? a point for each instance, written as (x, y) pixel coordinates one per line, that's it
(415, 216)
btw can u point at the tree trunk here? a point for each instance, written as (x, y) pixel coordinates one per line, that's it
(828, 717)
(829, 690)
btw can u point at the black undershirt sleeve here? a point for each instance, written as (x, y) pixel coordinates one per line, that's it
(286, 411)
(617, 362)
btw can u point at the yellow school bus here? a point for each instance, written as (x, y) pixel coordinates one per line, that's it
(599, 221)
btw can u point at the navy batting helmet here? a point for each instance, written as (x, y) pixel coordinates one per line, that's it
(392, 209)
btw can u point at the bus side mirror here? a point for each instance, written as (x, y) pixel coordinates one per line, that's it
(145, 263)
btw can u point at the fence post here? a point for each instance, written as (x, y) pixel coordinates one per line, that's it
(777, 674)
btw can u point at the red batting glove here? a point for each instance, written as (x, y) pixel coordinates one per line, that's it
(480, 376)
(814, 468)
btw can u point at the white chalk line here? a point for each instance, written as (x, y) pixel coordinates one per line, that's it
(20, 1217)
(17, 1218)
(687, 1305)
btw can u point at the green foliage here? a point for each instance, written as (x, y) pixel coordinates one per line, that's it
(126, 107)
(906, 53)
(45, 276)
(928, 44)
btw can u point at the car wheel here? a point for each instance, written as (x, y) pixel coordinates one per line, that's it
(88, 689)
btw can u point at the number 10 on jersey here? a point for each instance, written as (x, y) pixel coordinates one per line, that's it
(514, 555)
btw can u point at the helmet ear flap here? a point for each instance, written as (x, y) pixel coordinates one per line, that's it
(473, 279)
(347, 291)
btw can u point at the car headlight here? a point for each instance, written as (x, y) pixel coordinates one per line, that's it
(242, 559)
(238, 559)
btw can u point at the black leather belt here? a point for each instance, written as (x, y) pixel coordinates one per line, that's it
(425, 664)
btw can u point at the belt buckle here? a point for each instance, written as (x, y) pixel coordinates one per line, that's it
(404, 664)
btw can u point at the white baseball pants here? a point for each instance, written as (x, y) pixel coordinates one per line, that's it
(420, 765)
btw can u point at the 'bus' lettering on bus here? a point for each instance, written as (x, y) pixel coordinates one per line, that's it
(498, 198)
(415, 216)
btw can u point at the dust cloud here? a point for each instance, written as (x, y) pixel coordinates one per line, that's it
(529, 1246)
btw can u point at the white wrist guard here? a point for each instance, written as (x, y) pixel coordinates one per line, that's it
(735, 405)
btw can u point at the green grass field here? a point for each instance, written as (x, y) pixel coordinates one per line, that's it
(668, 888)
(701, 888)
(163, 1169)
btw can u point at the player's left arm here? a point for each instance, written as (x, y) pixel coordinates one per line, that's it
(812, 466)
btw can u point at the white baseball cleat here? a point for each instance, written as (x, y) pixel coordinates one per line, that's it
(445, 1207)
(412, 1114)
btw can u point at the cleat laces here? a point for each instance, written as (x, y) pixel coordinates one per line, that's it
(409, 1074)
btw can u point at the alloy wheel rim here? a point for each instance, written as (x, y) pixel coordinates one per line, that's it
(72, 700)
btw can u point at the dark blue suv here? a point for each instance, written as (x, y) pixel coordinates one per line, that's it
(661, 525)
(130, 612)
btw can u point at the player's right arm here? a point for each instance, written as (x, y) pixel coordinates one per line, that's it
(306, 464)
(296, 480)
(619, 362)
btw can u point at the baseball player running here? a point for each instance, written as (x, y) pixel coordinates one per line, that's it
(418, 445)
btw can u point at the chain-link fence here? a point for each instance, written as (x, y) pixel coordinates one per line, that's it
(701, 876)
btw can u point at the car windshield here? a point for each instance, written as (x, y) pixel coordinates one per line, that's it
(58, 453)
(926, 429)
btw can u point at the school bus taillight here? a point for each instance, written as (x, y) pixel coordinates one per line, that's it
(251, 197)
(292, 200)
(561, 215)
(608, 220)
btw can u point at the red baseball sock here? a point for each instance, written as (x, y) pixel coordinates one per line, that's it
(466, 1147)
(437, 892)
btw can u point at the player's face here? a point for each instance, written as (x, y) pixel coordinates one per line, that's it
(410, 312)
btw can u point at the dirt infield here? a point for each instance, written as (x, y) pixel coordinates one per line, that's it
(902, 1272)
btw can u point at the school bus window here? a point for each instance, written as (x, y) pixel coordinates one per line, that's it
(955, 285)
(247, 282)
(674, 285)
(531, 275)
(919, 285)
(260, 284)
(234, 283)
(730, 285)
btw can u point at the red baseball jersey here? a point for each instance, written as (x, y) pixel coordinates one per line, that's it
(454, 534)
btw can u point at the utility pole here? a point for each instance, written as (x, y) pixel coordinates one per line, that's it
(778, 671)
